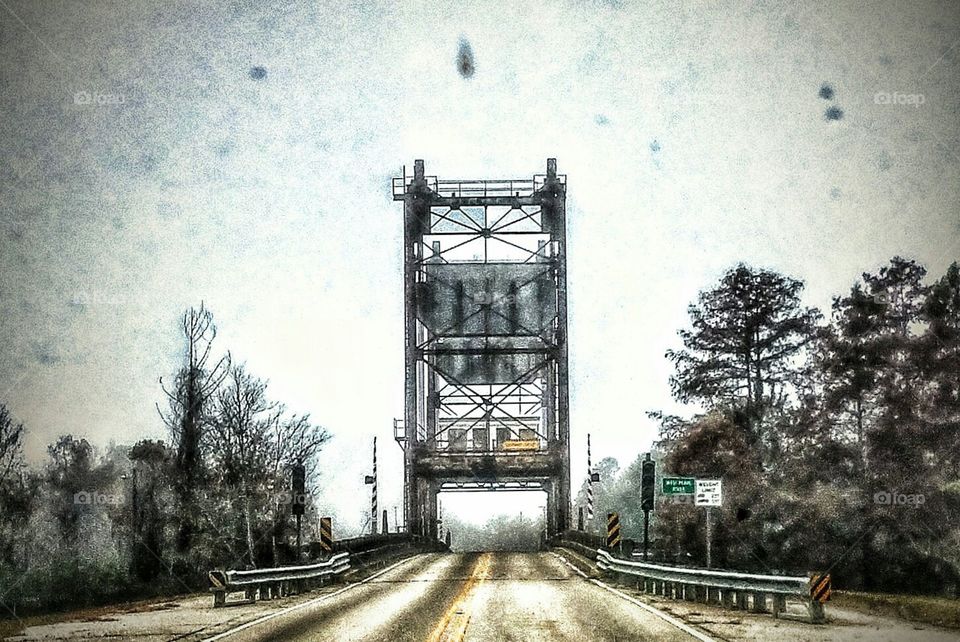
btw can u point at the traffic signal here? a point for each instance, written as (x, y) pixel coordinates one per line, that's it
(648, 473)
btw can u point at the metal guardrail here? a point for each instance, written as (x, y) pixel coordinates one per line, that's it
(367, 551)
(275, 582)
(727, 588)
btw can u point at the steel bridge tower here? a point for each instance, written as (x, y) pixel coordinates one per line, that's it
(486, 404)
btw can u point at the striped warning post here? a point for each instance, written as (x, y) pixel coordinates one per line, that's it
(589, 485)
(820, 587)
(613, 530)
(218, 580)
(218, 586)
(373, 497)
(326, 533)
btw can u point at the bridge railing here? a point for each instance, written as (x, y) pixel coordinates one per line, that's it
(726, 588)
(275, 582)
(365, 552)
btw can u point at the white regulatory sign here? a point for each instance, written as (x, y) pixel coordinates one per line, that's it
(709, 492)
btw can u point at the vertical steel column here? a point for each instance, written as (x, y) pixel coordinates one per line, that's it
(554, 200)
(414, 204)
(432, 406)
(433, 492)
(433, 395)
(551, 519)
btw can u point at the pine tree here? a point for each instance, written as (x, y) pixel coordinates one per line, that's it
(742, 348)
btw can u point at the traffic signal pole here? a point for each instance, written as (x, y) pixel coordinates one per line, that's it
(299, 499)
(646, 533)
(648, 474)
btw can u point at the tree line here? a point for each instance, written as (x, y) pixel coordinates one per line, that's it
(91, 526)
(836, 434)
(500, 533)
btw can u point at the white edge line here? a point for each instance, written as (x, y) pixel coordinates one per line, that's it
(660, 614)
(297, 607)
(572, 567)
(668, 618)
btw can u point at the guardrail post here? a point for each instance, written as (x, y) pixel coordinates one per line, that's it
(779, 604)
(219, 598)
(690, 592)
(726, 598)
(815, 609)
(759, 602)
(743, 600)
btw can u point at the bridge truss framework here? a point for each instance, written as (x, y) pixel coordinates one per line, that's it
(486, 401)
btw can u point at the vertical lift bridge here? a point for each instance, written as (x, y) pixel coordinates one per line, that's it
(486, 404)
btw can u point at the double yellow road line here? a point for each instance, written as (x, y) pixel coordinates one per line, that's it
(453, 625)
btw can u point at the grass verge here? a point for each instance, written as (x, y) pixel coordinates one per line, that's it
(939, 611)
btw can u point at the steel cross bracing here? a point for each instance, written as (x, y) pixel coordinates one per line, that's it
(485, 315)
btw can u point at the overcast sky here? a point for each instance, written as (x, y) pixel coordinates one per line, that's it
(155, 155)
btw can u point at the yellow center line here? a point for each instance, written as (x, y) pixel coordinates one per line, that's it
(453, 625)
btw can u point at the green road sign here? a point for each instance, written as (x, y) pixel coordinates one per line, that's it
(678, 485)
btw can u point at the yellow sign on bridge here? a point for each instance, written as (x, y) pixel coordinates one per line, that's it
(521, 444)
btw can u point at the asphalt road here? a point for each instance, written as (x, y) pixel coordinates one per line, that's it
(474, 597)
(491, 597)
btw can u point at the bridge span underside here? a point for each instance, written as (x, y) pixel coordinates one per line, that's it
(485, 318)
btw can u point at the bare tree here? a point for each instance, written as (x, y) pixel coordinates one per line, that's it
(253, 446)
(11, 444)
(240, 441)
(189, 404)
(16, 499)
(296, 441)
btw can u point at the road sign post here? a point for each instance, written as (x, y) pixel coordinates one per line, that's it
(709, 539)
(709, 493)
